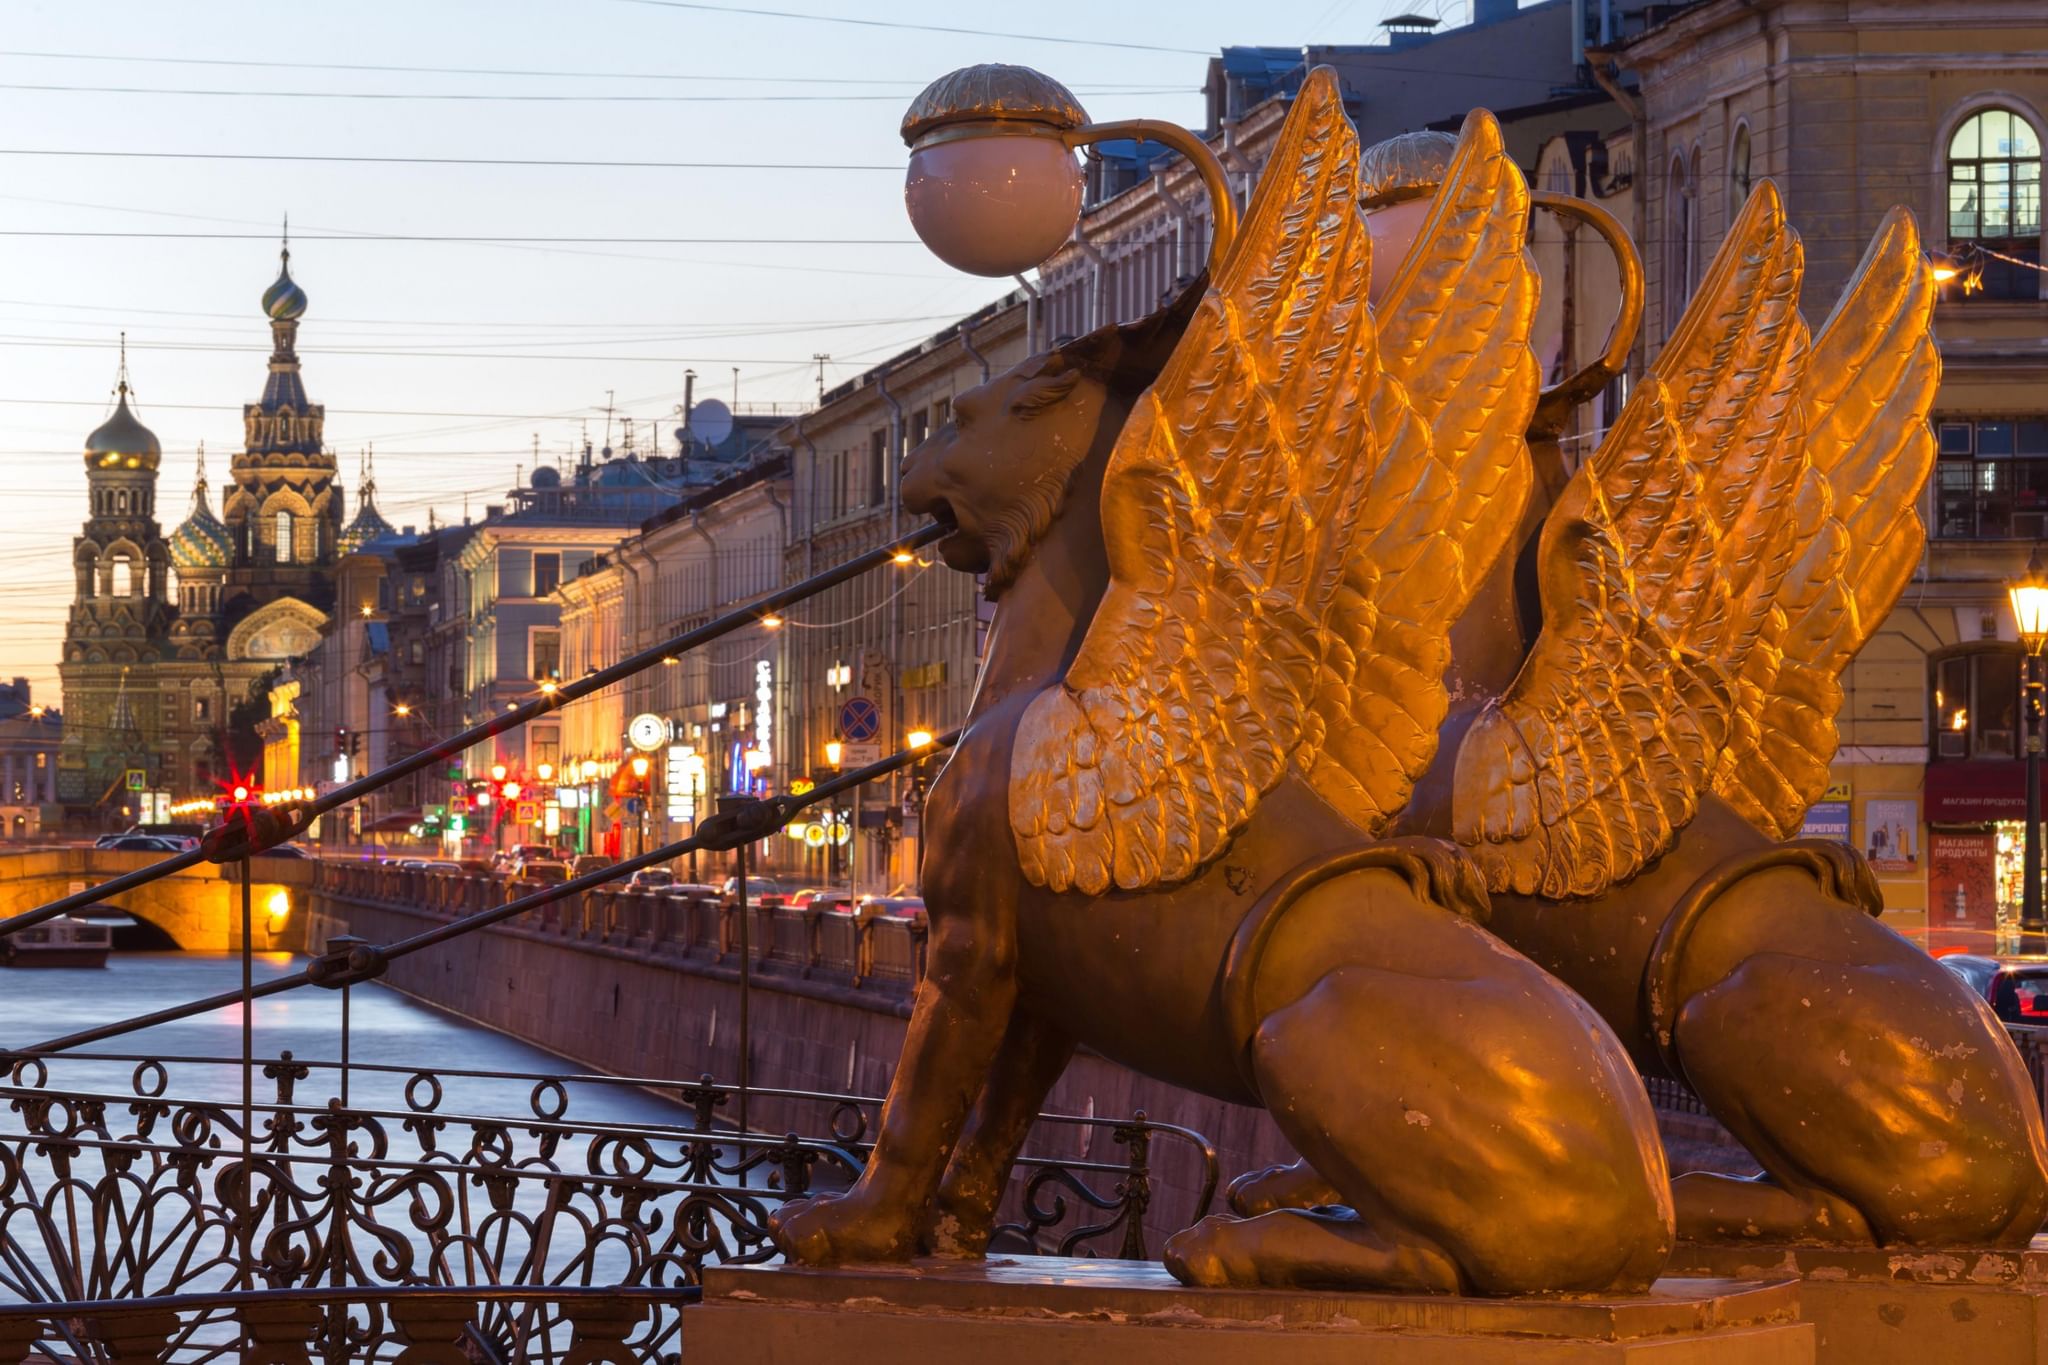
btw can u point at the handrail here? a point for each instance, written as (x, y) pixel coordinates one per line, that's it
(367, 962)
(519, 715)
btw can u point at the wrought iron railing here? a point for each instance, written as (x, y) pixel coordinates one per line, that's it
(119, 1194)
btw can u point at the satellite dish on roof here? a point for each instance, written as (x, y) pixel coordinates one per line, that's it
(710, 422)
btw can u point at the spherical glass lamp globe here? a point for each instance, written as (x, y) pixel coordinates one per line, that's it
(1393, 229)
(994, 205)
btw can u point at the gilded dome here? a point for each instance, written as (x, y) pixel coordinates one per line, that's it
(992, 92)
(284, 301)
(121, 442)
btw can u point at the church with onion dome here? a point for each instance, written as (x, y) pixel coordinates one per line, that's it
(169, 634)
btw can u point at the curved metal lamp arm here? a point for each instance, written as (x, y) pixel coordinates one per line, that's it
(1222, 208)
(1554, 408)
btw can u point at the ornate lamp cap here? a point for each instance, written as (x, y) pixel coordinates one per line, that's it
(1405, 167)
(990, 93)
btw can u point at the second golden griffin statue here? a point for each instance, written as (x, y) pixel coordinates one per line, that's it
(1338, 750)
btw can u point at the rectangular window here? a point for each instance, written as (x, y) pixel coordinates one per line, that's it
(283, 535)
(920, 427)
(547, 573)
(547, 655)
(202, 708)
(878, 468)
(942, 412)
(1976, 704)
(1991, 482)
(547, 747)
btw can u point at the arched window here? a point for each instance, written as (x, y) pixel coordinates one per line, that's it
(1740, 178)
(284, 537)
(123, 579)
(1695, 257)
(1677, 244)
(1994, 201)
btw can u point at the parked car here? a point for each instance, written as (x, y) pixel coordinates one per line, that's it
(142, 843)
(896, 907)
(510, 859)
(428, 865)
(690, 889)
(757, 887)
(2015, 987)
(651, 879)
(284, 851)
(542, 870)
(589, 862)
(811, 898)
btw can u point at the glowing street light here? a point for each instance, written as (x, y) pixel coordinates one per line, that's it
(834, 750)
(2030, 612)
(589, 769)
(919, 739)
(639, 765)
(497, 772)
(402, 709)
(993, 188)
(545, 772)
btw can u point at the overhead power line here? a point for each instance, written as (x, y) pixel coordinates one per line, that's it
(466, 237)
(895, 166)
(922, 28)
(912, 82)
(522, 97)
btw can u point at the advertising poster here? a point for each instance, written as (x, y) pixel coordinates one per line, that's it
(1891, 835)
(1828, 820)
(1962, 880)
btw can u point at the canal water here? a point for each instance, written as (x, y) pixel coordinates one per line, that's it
(385, 1028)
(509, 1225)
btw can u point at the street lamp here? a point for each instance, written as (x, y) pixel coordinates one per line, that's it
(2030, 610)
(993, 188)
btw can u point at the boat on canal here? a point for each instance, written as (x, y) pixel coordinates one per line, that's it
(62, 942)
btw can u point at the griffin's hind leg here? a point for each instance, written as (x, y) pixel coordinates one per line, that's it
(1894, 1108)
(1482, 1126)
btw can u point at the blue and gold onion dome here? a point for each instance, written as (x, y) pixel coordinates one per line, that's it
(122, 442)
(284, 301)
(203, 540)
(368, 526)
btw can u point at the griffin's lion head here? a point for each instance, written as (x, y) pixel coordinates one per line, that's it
(1000, 471)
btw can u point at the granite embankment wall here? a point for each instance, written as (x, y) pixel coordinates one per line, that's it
(648, 986)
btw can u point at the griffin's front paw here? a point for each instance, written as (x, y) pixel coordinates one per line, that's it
(841, 1230)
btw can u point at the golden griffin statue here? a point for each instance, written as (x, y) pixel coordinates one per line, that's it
(1361, 762)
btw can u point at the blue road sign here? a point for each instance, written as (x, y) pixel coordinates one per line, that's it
(860, 720)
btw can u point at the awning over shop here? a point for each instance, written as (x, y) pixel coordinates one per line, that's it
(1976, 791)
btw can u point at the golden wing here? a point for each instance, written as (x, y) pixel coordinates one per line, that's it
(1658, 567)
(1456, 387)
(1229, 510)
(1869, 388)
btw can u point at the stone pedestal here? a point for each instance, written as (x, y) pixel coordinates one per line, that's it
(1903, 1307)
(1040, 1310)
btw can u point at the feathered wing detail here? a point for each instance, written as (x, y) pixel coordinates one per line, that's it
(1230, 510)
(1456, 386)
(1869, 388)
(1659, 568)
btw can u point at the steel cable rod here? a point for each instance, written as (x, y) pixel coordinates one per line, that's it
(368, 961)
(519, 715)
